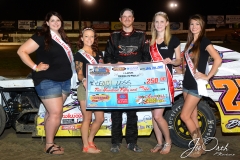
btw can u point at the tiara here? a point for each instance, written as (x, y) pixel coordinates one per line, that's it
(86, 29)
(163, 13)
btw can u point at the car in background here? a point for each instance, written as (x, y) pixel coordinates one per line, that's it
(21, 108)
(236, 34)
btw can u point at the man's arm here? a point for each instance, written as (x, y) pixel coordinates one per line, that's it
(145, 50)
(109, 50)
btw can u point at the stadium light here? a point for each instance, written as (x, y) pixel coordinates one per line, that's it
(173, 5)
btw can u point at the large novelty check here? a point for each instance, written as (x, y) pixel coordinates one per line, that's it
(127, 86)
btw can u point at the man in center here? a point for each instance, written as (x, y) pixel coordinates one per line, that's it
(128, 45)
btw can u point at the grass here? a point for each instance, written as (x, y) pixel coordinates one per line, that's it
(12, 63)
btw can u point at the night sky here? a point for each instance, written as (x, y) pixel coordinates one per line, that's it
(108, 10)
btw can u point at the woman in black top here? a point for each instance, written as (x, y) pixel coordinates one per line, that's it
(162, 48)
(196, 53)
(88, 53)
(51, 74)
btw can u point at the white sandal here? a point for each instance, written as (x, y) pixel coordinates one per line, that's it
(164, 147)
(157, 148)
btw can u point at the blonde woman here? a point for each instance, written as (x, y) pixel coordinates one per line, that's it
(162, 48)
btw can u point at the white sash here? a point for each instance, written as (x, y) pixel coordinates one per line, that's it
(201, 83)
(88, 57)
(68, 51)
(66, 48)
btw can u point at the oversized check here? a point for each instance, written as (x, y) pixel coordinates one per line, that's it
(127, 86)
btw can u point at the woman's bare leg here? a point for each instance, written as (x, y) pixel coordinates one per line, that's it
(156, 129)
(189, 112)
(53, 119)
(87, 117)
(99, 118)
(163, 126)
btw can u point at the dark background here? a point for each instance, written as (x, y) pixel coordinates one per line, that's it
(108, 10)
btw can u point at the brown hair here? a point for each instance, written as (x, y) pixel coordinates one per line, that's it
(196, 48)
(46, 30)
(126, 9)
(95, 43)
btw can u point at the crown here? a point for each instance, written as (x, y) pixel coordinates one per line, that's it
(86, 29)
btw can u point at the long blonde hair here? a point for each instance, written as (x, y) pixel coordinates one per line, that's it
(167, 33)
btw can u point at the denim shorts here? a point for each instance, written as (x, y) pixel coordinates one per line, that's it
(192, 92)
(52, 89)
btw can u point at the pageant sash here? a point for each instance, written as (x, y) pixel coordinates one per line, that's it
(156, 56)
(66, 48)
(69, 54)
(201, 83)
(88, 57)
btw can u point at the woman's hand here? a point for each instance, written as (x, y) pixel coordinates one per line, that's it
(200, 75)
(42, 67)
(167, 61)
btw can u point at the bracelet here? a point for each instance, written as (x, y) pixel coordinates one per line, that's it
(83, 80)
(34, 67)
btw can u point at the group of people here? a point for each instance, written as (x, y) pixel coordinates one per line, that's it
(55, 63)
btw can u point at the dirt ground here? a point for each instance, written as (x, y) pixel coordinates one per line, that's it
(22, 146)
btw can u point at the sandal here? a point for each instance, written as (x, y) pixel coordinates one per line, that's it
(157, 148)
(57, 146)
(92, 144)
(90, 149)
(164, 148)
(51, 150)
